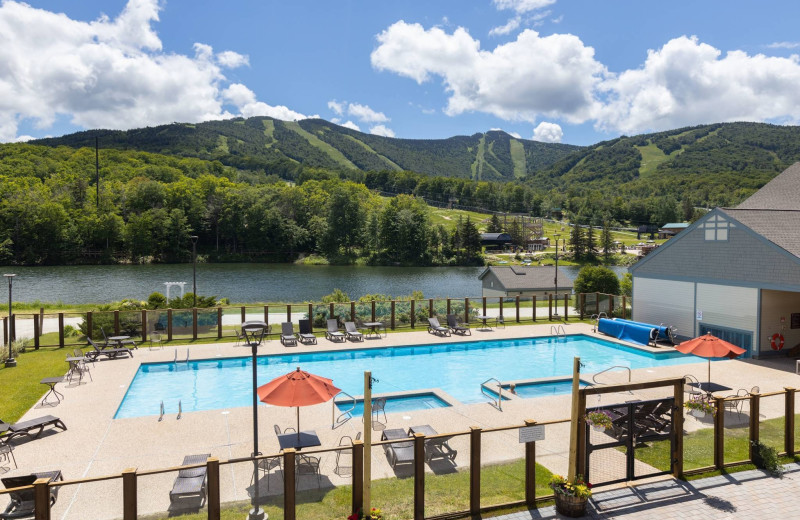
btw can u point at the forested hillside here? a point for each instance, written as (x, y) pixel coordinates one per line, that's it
(281, 146)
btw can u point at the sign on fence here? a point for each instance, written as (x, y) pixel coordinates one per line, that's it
(531, 434)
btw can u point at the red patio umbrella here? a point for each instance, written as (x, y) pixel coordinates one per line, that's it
(297, 388)
(708, 346)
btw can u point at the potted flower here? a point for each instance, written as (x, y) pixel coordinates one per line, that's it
(599, 421)
(571, 495)
(373, 514)
(700, 407)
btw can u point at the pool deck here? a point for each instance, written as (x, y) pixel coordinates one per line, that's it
(97, 445)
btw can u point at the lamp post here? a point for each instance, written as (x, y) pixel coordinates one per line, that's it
(10, 362)
(555, 236)
(253, 335)
(194, 270)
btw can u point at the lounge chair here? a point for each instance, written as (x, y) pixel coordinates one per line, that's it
(287, 334)
(456, 327)
(306, 336)
(437, 448)
(26, 427)
(190, 482)
(22, 504)
(333, 333)
(352, 332)
(398, 452)
(435, 328)
(110, 353)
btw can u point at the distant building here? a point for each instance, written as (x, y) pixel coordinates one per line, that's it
(495, 240)
(538, 244)
(671, 229)
(515, 281)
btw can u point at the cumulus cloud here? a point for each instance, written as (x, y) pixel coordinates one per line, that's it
(554, 75)
(337, 107)
(361, 112)
(511, 26)
(245, 100)
(381, 130)
(548, 133)
(522, 6)
(784, 45)
(351, 125)
(108, 73)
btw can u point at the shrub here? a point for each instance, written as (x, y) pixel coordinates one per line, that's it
(766, 458)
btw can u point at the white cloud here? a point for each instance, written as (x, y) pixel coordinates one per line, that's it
(337, 107)
(510, 26)
(558, 20)
(784, 45)
(555, 75)
(351, 125)
(381, 130)
(548, 133)
(366, 114)
(109, 73)
(512, 134)
(522, 6)
(687, 82)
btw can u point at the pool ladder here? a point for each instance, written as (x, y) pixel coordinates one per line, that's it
(595, 318)
(345, 415)
(176, 356)
(161, 411)
(558, 331)
(495, 398)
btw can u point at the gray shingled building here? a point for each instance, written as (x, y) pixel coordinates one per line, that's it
(734, 273)
(515, 280)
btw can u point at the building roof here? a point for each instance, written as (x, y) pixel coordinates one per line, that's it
(527, 278)
(782, 228)
(675, 225)
(782, 192)
(495, 236)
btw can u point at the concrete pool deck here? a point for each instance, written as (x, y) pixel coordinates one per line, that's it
(97, 445)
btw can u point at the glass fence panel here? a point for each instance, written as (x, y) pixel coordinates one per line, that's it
(796, 421)
(320, 316)
(237, 488)
(698, 442)
(174, 494)
(393, 479)
(324, 481)
(502, 467)
(363, 312)
(402, 313)
(341, 311)
(130, 324)
(207, 323)
(96, 500)
(446, 474)
(771, 421)
(736, 434)
(552, 456)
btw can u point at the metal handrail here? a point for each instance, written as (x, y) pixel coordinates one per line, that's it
(161, 415)
(347, 414)
(558, 331)
(498, 401)
(594, 377)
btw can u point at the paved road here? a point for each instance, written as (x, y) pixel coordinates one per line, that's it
(748, 494)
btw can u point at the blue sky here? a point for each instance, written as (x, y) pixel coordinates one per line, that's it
(577, 71)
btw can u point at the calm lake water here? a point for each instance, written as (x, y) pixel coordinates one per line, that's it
(242, 282)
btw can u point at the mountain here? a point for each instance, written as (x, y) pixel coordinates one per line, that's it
(263, 142)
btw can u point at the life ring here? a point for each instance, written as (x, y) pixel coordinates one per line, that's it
(777, 341)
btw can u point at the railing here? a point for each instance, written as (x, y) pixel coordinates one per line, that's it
(344, 415)
(68, 329)
(496, 398)
(594, 377)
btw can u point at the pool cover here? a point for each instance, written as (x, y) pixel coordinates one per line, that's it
(633, 332)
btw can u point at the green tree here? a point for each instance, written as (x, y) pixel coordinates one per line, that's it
(576, 240)
(494, 225)
(596, 279)
(607, 242)
(626, 285)
(591, 243)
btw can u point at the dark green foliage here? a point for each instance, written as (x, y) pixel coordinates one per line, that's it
(766, 458)
(596, 279)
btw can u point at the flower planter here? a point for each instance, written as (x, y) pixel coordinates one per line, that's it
(571, 506)
(697, 413)
(598, 428)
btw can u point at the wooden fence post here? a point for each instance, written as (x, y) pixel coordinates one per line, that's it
(474, 471)
(581, 304)
(89, 316)
(41, 497)
(500, 301)
(352, 311)
(116, 323)
(169, 324)
(597, 303)
(60, 329)
(755, 402)
(677, 429)
(129, 494)
(430, 308)
(244, 314)
(790, 422)
(448, 306)
(36, 332)
(466, 310)
(373, 310)
(266, 315)
(289, 498)
(484, 305)
(610, 305)
(719, 432)
(219, 322)
(566, 307)
(332, 310)
(533, 305)
(311, 317)
(419, 476)
(530, 469)
(412, 314)
(5, 329)
(550, 307)
(144, 324)
(289, 312)
(194, 322)
(213, 500)
(358, 476)
(392, 319)
(516, 302)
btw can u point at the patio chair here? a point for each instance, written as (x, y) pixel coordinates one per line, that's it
(306, 336)
(110, 353)
(398, 452)
(78, 368)
(456, 327)
(352, 332)
(239, 337)
(435, 328)
(287, 334)
(190, 482)
(379, 406)
(267, 466)
(307, 465)
(27, 427)
(333, 333)
(22, 503)
(287, 430)
(344, 440)
(7, 452)
(738, 404)
(692, 387)
(155, 337)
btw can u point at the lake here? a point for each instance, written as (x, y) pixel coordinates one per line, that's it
(243, 283)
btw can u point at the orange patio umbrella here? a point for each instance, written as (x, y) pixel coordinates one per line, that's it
(708, 346)
(298, 388)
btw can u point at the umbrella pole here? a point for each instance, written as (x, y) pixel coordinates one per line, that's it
(298, 422)
(709, 374)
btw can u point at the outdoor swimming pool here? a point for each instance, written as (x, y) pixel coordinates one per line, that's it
(456, 368)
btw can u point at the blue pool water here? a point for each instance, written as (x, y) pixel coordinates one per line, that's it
(405, 403)
(456, 368)
(527, 390)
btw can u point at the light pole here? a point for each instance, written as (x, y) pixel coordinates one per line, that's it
(253, 335)
(555, 236)
(10, 362)
(194, 270)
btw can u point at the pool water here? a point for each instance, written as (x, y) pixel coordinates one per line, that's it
(528, 390)
(457, 368)
(400, 403)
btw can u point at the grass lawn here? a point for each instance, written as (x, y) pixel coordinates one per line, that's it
(395, 496)
(20, 386)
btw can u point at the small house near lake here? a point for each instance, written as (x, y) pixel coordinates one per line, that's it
(514, 280)
(495, 240)
(735, 273)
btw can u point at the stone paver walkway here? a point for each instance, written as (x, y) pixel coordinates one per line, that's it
(747, 494)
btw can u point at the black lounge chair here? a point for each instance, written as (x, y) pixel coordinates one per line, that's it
(333, 333)
(352, 332)
(456, 327)
(434, 327)
(26, 427)
(110, 353)
(190, 482)
(437, 448)
(398, 452)
(306, 336)
(22, 504)
(287, 334)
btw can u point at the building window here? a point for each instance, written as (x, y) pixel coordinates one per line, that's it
(716, 228)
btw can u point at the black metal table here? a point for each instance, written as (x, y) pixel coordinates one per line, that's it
(485, 320)
(710, 387)
(373, 328)
(304, 439)
(52, 382)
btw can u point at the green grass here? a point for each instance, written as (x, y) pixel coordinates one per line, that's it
(445, 493)
(652, 156)
(518, 158)
(449, 217)
(316, 142)
(20, 386)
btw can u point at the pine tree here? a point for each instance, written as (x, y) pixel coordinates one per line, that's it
(494, 225)
(607, 242)
(591, 243)
(576, 241)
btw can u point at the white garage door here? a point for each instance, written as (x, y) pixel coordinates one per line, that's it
(665, 301)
